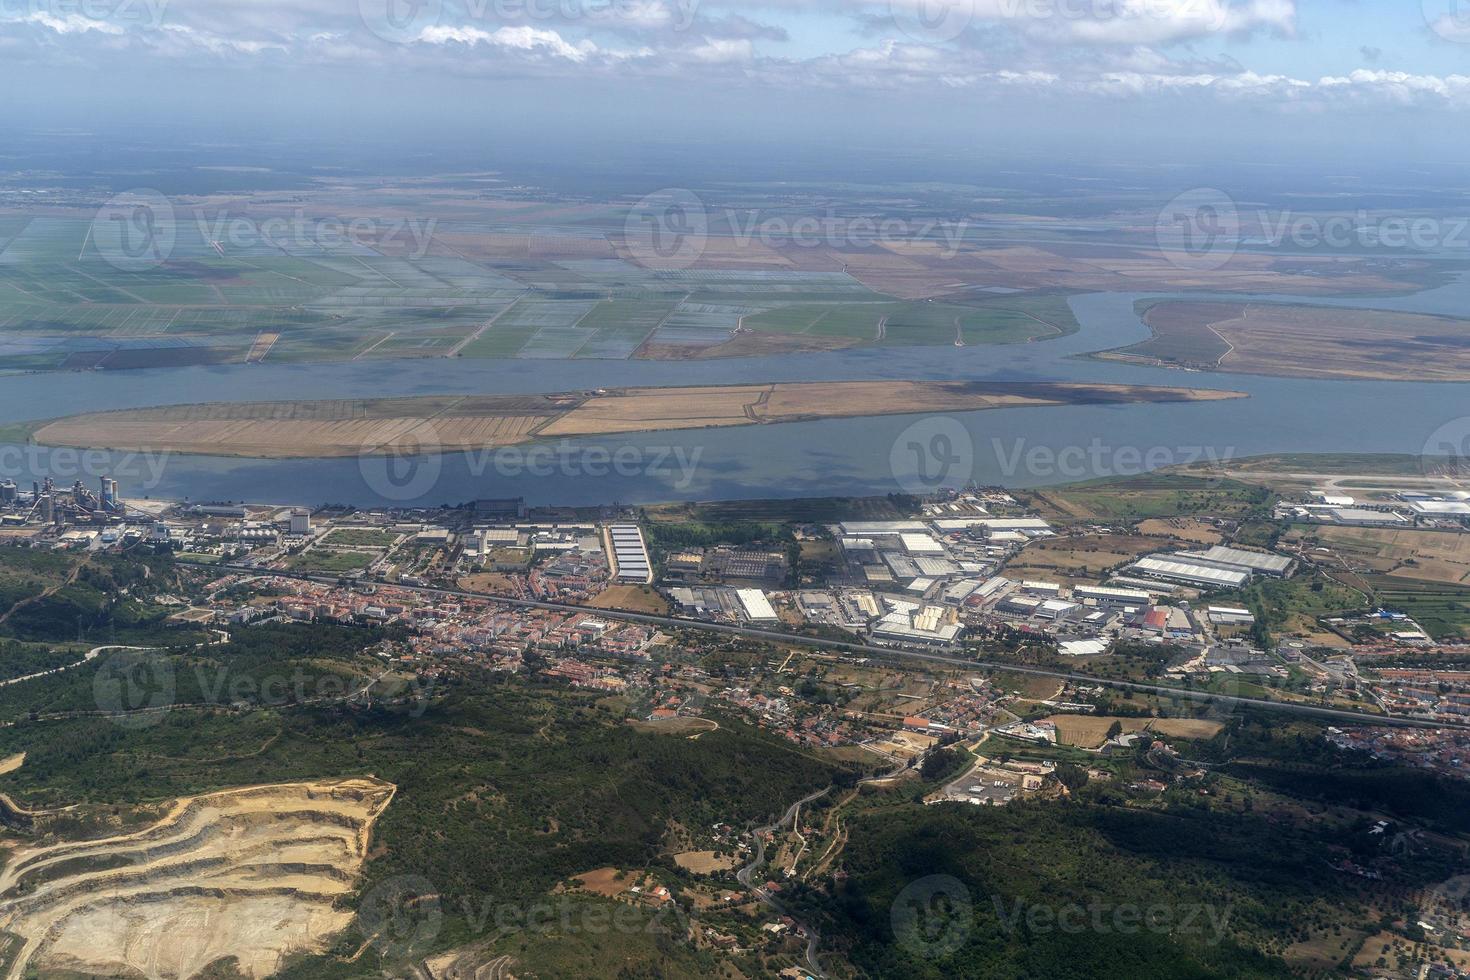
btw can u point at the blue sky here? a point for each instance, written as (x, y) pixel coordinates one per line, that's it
(1200, 73)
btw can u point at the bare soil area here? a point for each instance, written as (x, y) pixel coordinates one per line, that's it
(254, 874)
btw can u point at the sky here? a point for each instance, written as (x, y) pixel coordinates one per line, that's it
(1078, 79)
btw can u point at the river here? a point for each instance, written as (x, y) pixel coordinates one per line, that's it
(1012, 447)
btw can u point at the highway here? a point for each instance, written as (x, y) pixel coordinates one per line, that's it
(866, 650)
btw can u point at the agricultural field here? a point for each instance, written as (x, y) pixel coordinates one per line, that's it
(1151, 497)
(1082, 558)
(1304, 341)
(1443, 610)
(1425, 556)
(1091, 731)
(1012, 320)
(1292, 607)
(1192, 530)
(424, 269)
(462, 290)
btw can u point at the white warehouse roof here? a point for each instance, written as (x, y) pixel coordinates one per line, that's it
(1192, 572)
(756, 606)
(1258, 561)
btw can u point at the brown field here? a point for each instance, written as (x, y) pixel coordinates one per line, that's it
(1324, 950)
(931, 268)
(689, 726)
(262, 346)
(447, 423)
(1428, 556)
(1090, 732)
(631, 598)
(257, 874)
(607, 882)
(1186, 727)
(1305, 342)
(905, 745)
(1085, 557)
(1181, 528)
(491, 582)
(704, 862)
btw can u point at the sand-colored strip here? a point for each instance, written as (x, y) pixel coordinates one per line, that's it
(281, 430)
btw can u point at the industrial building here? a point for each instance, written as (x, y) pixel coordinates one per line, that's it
(1029, 526)
(1057, 610)
(918, 624)
(1231, 616)
(1104, 596)
(869, 529)
(1440, 508)
(629, 554)
(1359, 516)
(755, 607)
(1194, 573)
(1255, 562)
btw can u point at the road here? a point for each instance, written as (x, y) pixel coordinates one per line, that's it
(877, 652)
(1333, 482)
(746, 875)
(87, 658)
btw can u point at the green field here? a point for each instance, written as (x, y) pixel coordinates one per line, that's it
(322, 560)
(64, 307)
(994, 321)
(360, 537)
(1139, 498)
(1443, 611)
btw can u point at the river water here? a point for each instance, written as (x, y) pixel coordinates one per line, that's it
(1011, 447)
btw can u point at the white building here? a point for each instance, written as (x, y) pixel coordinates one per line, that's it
(629, 554)
(755, 607)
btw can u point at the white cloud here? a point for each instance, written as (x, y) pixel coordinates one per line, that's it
(724, 51)
(527, 39)
(1452, 27)
(69, 23)
(1092, 22)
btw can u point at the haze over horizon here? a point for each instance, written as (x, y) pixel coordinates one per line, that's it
(1079, 81)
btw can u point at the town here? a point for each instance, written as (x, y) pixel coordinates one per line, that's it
(605, 600)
